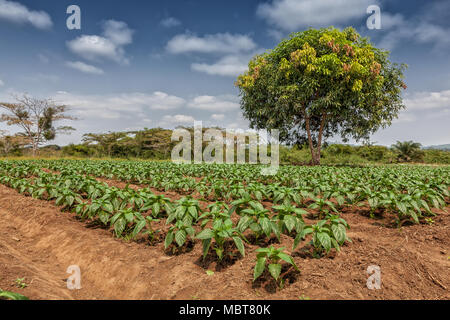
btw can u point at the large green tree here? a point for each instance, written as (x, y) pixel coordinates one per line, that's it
(321, 83)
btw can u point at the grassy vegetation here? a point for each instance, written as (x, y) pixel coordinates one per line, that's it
(337, 154)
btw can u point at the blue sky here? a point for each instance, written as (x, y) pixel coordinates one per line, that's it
(137, 64)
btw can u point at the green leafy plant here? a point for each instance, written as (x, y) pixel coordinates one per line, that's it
(20, 283)
(322, 205)
(186, 209)
(258, 220)
(7, 295)
(289, 218)
(178, 233)
(272, 257)
(124, 220)
(326, 234)
(221, 231)
(147, 223)
(157, 203)
(287, 196)
(216, 210)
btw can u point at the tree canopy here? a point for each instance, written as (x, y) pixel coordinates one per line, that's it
(36, 117)
(320, 83)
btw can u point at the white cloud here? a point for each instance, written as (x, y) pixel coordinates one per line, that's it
(170, 22)
(83, 67)
(215, 103)
(420, 32)
(428, 100)
(389, 20)
(421, 28)
(1, 83)
(118, 32)
(211, 43)
(403, 117)
(227, 66)
(118, 105)
(163, 101)
(95, 47)
(116, 35)
(18, 13)
(218, 117)
(178, 119)
(293, 14)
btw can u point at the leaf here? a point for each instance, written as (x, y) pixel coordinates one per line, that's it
(324, 240)
(297, 240)
(255, 227)
(259, 267)
(115, 217)
(239, 245)
(205, 234)
(12, 296)
(414, 216)
(275, 270)
(436, 203)
(265, 225)
(335, 244)
(305, 232)
(168, 240)
(129, 216)
(289, 222)
(104, 217)
(243, 223)
(155, 209)
(108, 207)
(139, 226)
(339, 232)
(193, 212)
(180, 237)
(288, 259)
(119, 226)
(206, 244)
(401, 206)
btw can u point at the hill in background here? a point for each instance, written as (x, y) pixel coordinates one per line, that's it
(439, 147)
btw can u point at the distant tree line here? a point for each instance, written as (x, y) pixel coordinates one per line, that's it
(156, 144)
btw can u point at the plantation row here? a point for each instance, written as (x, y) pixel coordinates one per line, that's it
(406, 192)
(237, 192)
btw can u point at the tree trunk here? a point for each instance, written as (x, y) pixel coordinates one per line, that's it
(315, 152)
(35, 149)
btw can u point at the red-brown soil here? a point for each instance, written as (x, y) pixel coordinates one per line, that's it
(38, 242)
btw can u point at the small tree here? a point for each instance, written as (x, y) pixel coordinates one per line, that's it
(106, 141)
(320, 83)
(9, 143)
(408, 151)
(36, 118)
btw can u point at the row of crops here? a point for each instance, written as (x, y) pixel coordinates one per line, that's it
(242, 206)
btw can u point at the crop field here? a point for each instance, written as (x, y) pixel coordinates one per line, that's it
(160, 230)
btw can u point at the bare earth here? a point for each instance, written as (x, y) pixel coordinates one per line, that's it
(38, 242)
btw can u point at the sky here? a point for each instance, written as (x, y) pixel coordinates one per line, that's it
(136, 64)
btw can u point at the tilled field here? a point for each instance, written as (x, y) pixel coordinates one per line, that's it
(40, 240)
